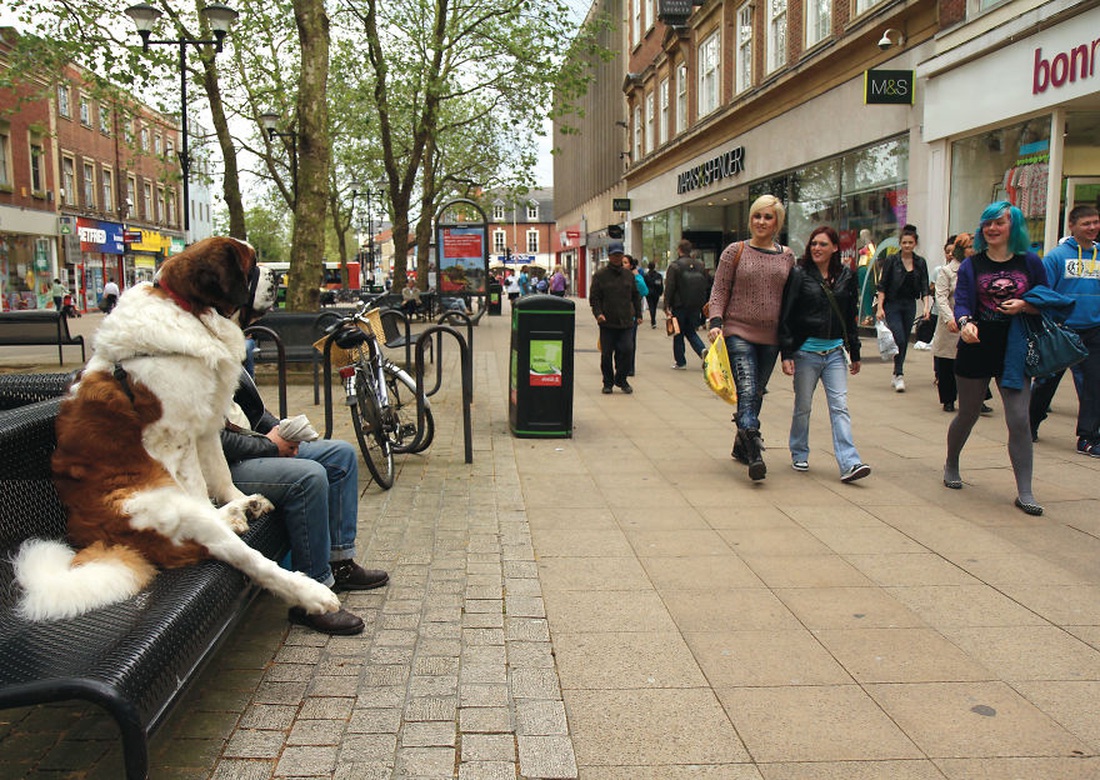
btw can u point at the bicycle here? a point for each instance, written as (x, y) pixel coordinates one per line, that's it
(380, 395)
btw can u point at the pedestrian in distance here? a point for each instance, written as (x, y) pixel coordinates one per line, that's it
(1073, 269)
(744, 309)
(989, 295)
(643, 291)
(945, 341)
(316, 485)
(559, 282)
(904, 281)
(818, 323)
(617, 306)
(110, 296)
(58, 291)
(685, 294)
(656, 284)
(511, 287)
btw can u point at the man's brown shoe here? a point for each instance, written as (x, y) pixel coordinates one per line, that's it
(342, 622)
(349, 575)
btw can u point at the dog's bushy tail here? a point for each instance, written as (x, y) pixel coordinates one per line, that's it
(60, 583)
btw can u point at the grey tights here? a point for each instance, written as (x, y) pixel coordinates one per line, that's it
(971, 394)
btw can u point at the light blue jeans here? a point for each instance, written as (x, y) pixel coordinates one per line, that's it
(832, 370)
(318, 493)
(752, 366)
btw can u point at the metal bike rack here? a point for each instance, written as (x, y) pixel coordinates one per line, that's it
(466, 358)
(280, 350)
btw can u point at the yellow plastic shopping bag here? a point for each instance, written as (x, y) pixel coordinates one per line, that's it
(716, 368)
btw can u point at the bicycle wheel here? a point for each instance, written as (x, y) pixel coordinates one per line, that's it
(401, 390)
(373, 442)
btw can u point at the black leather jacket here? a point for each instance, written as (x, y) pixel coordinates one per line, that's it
(239, 444)
(807, 311)
(893, 274)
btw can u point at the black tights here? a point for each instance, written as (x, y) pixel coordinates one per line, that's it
(971, 394)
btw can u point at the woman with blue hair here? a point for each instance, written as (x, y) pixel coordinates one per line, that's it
(988, 296)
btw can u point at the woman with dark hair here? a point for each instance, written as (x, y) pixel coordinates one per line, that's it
(817, 323)
(989, 295)
(904, 281)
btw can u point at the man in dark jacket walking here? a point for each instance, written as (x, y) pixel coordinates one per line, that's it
(617, 307)
(686, 290)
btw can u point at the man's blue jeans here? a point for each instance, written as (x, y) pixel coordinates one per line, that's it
(318, 493)
(832, 370)
(752, 366)
(689, 320)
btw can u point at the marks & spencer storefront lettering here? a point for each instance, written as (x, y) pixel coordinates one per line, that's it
(723, 166)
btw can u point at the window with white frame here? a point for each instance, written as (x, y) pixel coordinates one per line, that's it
(663, 109)
(147, 201)
(533, 211)
(131, 195)
(744, 48)
(104, 119)
(5, 154)
(865, 5)
(68, 180)
(145, 139)
(498, 212)
(38, 165)
(498, 241)
(170, 208)
(89, 185)
(981, 6)
(650, 119)
(532, 242)
(777, 34)
(170, 151)
(636, 26)
(637, 150)
(819, 21)
(157, 144)
(64, 100)
(709, 60)
(85, 111)
(681, 97)
(161, 212)
(108, 190)
(650, 14)
(128, 132)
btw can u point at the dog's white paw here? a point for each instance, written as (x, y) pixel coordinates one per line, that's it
(239, 512)
(314, 597)
(257, 506)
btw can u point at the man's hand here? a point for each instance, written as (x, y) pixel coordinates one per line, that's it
(287, 449)
(601, 319)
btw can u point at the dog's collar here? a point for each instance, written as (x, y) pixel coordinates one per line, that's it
(182, 303)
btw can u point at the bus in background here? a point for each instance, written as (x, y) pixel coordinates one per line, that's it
(330, 279)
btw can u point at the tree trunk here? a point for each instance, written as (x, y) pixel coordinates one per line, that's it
(307, 249)
(231, 183)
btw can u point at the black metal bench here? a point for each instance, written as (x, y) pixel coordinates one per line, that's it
(297, 331)
(36, 328)
(135, 659)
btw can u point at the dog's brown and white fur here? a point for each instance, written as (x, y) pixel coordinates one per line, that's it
(139, 455)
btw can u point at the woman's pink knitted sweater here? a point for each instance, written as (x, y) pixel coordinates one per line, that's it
(751, 295)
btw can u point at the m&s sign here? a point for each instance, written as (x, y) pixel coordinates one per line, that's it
(888, 86)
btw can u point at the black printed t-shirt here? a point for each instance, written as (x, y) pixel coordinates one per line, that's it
(995, 282)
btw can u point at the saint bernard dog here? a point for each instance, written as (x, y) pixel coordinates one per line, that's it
(139, 458)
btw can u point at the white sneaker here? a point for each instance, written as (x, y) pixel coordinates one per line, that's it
(894, 381)
(678, 367)
(899, 385)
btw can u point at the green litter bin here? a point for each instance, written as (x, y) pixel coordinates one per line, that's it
(540, 388)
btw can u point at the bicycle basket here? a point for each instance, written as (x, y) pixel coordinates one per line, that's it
(373, 319)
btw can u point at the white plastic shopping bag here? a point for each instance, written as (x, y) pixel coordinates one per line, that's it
(887, 347)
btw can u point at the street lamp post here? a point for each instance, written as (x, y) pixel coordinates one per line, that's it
(270, 121)
(356, 189)
(220, 17)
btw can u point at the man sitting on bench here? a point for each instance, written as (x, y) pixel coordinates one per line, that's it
(410, 298)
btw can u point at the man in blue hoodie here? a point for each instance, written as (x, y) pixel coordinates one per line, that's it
(1073, 269)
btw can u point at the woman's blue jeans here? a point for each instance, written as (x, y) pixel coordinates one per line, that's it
(900, 315)
(832, 370)
(752, 366)
(318, 493)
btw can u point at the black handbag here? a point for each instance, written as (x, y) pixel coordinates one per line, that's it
(1051, 346)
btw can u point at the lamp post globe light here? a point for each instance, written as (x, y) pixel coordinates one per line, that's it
(220, 19)
(270, 123)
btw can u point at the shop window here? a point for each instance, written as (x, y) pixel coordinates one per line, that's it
(68, 181)
(819, 21)
(681, 98)
(532, 242)
(650, 110)
(662, 124)
(709, 73)
(89, 185)
(1008, 163)
(777, 34)
(64, 100)
(744, 48)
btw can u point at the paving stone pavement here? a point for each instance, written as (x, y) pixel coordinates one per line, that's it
(626, 604)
